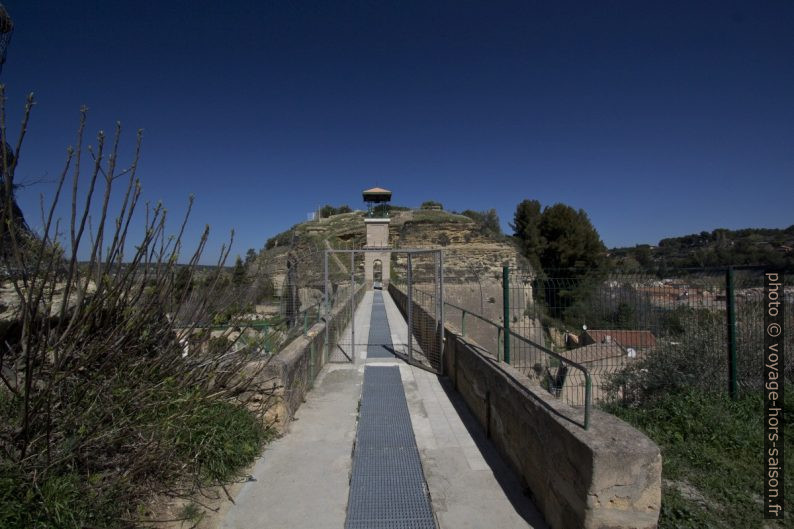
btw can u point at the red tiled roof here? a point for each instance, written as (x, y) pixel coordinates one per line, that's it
(623, 337)
(594, 352)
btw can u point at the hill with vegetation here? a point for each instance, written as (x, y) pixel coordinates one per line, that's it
(474, 237)
(768, 247)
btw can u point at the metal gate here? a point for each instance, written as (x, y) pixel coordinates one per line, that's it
(344, 288)
(407, 296)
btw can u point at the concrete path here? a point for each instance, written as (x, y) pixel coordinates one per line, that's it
(470, 485)
(303, 478)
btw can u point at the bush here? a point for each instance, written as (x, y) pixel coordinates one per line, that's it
(328, 210)
(487, 222)
(99, 406)
(711, 446)
(696, 359)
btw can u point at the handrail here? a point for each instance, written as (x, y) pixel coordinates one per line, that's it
(588, 381)
(562, 359)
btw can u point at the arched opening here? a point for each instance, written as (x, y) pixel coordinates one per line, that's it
(377, 273)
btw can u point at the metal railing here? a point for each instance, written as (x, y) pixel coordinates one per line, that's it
(564, 378)
(638, 334)
(547, 358)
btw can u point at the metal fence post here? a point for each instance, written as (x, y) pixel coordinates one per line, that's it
(409, 288)
(588, 396)
(506, 303)
(440, 301)
(326, 311)
(311, 364)
(730, 305)
(353, 307)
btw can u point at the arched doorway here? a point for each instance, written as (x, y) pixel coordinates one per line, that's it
(377, 273)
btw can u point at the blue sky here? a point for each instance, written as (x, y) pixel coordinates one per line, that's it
(658, 118)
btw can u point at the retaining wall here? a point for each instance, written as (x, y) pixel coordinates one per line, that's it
(292, 371)
(606, 477)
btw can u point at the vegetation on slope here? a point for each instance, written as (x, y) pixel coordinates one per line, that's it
(712, 456)
(106, 400)
(721, 247)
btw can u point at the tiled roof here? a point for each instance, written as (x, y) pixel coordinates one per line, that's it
(623, 337)
(594, 352)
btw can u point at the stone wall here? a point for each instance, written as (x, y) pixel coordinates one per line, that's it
(606, 477)
(291, 373)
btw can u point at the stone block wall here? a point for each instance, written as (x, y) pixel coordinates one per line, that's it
(606, 477)
(291, 372)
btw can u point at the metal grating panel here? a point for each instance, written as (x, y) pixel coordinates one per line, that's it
(387, 486)
(379, 331)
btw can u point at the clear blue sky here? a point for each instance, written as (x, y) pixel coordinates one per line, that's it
(658, 118)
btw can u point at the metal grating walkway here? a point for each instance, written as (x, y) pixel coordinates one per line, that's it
(387, 488)
(380, 344)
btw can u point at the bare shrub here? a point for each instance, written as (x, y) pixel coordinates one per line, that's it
(99, 406)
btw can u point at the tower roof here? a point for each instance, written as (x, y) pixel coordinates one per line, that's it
(377, 194)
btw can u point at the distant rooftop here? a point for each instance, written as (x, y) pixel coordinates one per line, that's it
(620, 336)
(595, 352)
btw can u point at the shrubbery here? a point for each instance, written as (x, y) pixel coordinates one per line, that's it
(103, 404)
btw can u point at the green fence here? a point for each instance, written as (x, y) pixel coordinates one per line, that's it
(639, 334)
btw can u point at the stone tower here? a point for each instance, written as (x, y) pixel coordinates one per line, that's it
(377, 263)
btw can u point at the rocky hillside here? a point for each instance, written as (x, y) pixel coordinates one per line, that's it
(471, 256)
(472, 260)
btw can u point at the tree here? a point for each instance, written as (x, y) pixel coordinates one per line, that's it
(526, 228)
(238, 274)
(642, 253)
(183, 282)
(250, 256)
(487, 221)
(328, 210)
(10, 212)
(431, 204)
(570, 240)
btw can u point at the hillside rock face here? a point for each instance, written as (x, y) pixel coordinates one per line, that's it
(472, 263)
(470, 256)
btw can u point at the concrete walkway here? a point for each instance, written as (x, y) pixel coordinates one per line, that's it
(302, 479)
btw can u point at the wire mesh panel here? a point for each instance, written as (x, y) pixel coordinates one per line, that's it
(638, 333)
(344, 288)
(301, 290)
(417, 285)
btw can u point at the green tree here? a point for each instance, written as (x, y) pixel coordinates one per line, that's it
(183, 281)
(570, 239)
(642, 253)
(328, 210)
(431, 204)
(487, 221)
(238, 274)
(526, 228)
(250, 256)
